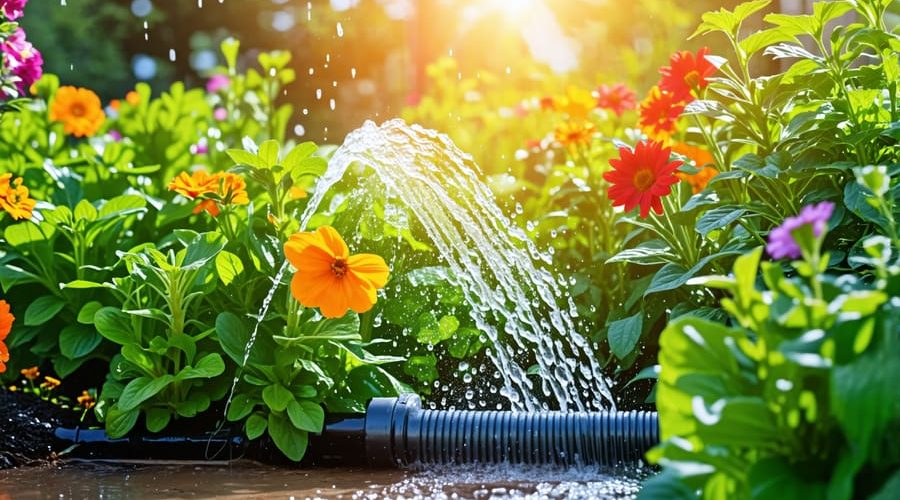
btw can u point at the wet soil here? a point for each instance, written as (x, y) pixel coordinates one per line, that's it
(251, 480)
(26, 429)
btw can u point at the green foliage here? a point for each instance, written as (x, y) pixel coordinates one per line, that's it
(797, 397)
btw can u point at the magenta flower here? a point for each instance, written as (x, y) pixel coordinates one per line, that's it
(23, 60)
(220, 114)
(12, 9)
(217, 83)
(781, 240)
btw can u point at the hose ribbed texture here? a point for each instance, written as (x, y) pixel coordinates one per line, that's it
(566, 439)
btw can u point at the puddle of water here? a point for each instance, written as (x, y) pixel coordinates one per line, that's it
(249, 480)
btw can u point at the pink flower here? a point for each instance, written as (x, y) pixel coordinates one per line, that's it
(220, 114)
(12, 9)
(22, 59)
(217, 83)
(781, 240)
(115, 135)
(617, 98)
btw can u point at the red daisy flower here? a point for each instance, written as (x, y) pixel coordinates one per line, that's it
(659, 112)
(686, 73)
(617, 98)
(642, 177)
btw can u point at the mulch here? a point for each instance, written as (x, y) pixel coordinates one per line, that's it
(27, 424)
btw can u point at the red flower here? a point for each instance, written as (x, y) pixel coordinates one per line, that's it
(642, 177)
(617, 98)
(659, 112)
(686, 73)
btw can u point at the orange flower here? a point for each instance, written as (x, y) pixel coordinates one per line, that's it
(329, 278)
(233, 189)
(686, 73)
(700, 159)
(194, 185)
(86, 400)
(659, 112)
(133, 98)
(50, 383)
(572, 133)
(642, 177)
(297, 193)
(30, 373)
(115, 104)
(78, 109)
(14, 198)
(219, 188)
(6, 321)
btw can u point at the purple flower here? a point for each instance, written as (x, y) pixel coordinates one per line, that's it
(23, 60)
(12, 9)
(781, 240)
(217, 83)
(115, 135)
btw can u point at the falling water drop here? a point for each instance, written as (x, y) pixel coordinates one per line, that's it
(340, 30)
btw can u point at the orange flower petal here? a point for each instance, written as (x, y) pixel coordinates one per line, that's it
(369, 267)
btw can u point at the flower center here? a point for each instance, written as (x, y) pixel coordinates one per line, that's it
(643, 179)
(692, 79)
(77, 110)
(340, 268)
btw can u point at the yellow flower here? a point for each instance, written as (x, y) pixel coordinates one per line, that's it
(86, 400)
(329, 278)
(577, 103)
(78, 109)
(14, 198)
(573, 133)
(297, 193)
(50, 383)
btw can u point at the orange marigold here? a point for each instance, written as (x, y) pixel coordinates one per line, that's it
(14, 198)
(79, 110)
(659, 114)
(133, 98)
(30, 373)
(574, 133)
(577, 103)
(329, 278)
(6, 321)
(215, 189)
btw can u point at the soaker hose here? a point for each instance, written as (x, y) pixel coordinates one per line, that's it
(397, 432)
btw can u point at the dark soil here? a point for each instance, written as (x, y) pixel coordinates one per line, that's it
(27, 424)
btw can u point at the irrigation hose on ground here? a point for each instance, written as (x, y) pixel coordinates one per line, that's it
(397, 432)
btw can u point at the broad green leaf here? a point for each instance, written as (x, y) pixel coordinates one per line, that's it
(228, 266)
(76, 341)
(306, 415)
(645, 254)
(196, 403)
(290, 440)
(241, 406)
(277, 397)
(157, 419)
(119, 422)
(122, 205)
(138, 357)
(202, 249)
(85, 211)
(268, 153)
(241, 157)
(255, 426)
(718, 218)
(623, 335)
(24, 233)
(300, 152)
(114, 325)
(208, 366)
(43, 309)
(82, 284)
(233, 336)
(141, 389)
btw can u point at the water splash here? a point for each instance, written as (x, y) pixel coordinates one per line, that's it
(513, 297)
